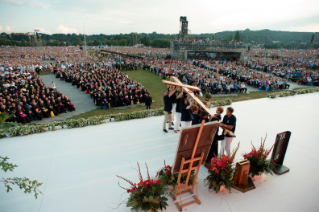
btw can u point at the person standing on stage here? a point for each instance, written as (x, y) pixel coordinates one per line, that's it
(228, 124)
(178, 110)
(186, 119)
(167, 112)
(172, 96)
(214, 148)
(148, 101)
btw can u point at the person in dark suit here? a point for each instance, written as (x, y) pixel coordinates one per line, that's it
(148, 101)
(214, 148)
(167, 112)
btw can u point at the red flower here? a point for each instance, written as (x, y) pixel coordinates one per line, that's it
(216, 171)
(219, 163)
(128, 190)
(158, 182)
(133, 189)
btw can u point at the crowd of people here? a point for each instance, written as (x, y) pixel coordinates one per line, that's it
(25, 98)
(109, 87)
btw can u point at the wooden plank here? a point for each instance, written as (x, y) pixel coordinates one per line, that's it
(180, 85)
(189, 203)
(176, 203)
(189, 92)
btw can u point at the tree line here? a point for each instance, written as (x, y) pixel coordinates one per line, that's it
(267, 37)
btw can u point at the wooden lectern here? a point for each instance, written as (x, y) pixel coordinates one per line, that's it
(241, 177)
(192, 151)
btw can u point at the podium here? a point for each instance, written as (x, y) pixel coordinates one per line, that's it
(241, 178)
(192, 150)
(279, 152)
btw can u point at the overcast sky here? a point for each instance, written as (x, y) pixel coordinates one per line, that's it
(125, 16)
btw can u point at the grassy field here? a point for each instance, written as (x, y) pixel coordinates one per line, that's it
(44, 73)
(153, 83)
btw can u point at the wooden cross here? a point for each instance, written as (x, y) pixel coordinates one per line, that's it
(189, 90)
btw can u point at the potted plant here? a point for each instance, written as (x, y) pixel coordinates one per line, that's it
(258, 160)
(147, 195)
(221, 172)
(166, 176)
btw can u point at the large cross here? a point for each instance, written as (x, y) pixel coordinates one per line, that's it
(189, 90)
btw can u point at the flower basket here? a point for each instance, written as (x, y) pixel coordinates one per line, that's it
(147, 195)
(221, 172)
(258, 176)
(258, 160)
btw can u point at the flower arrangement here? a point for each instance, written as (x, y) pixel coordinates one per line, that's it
(258, 159)
(291, 93)
(220, 102)
(147, 195)
(221, 172)
(166, 176)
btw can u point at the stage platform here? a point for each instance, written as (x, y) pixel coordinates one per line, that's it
(78, 166)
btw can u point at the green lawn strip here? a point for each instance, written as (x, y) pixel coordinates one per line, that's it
(44, 73)
(243, 97)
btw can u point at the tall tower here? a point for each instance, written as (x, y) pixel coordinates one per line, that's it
(183, 33)
(134, 38)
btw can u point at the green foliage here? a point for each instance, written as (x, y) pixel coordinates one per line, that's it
(24, 184)
(220, 102)
(97, 43)
(145, 40)
(4, 124)
(23, 42)
(237, 36)
(295, 91)
(161, 43)
(4, 41)
(72, 123)
(248, 36)
(123, 42)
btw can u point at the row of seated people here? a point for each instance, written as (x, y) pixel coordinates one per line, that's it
(300, 75)
(107, 86)
(26, 98)
(264, 82)
(224, 87)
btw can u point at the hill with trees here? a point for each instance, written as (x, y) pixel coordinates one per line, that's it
(271, 39)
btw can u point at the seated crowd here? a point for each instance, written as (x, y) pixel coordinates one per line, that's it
(107, 86)
(26, 97)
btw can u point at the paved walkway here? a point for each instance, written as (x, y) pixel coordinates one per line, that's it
(82, 102)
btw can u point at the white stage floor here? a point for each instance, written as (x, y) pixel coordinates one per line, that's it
(78, 166)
